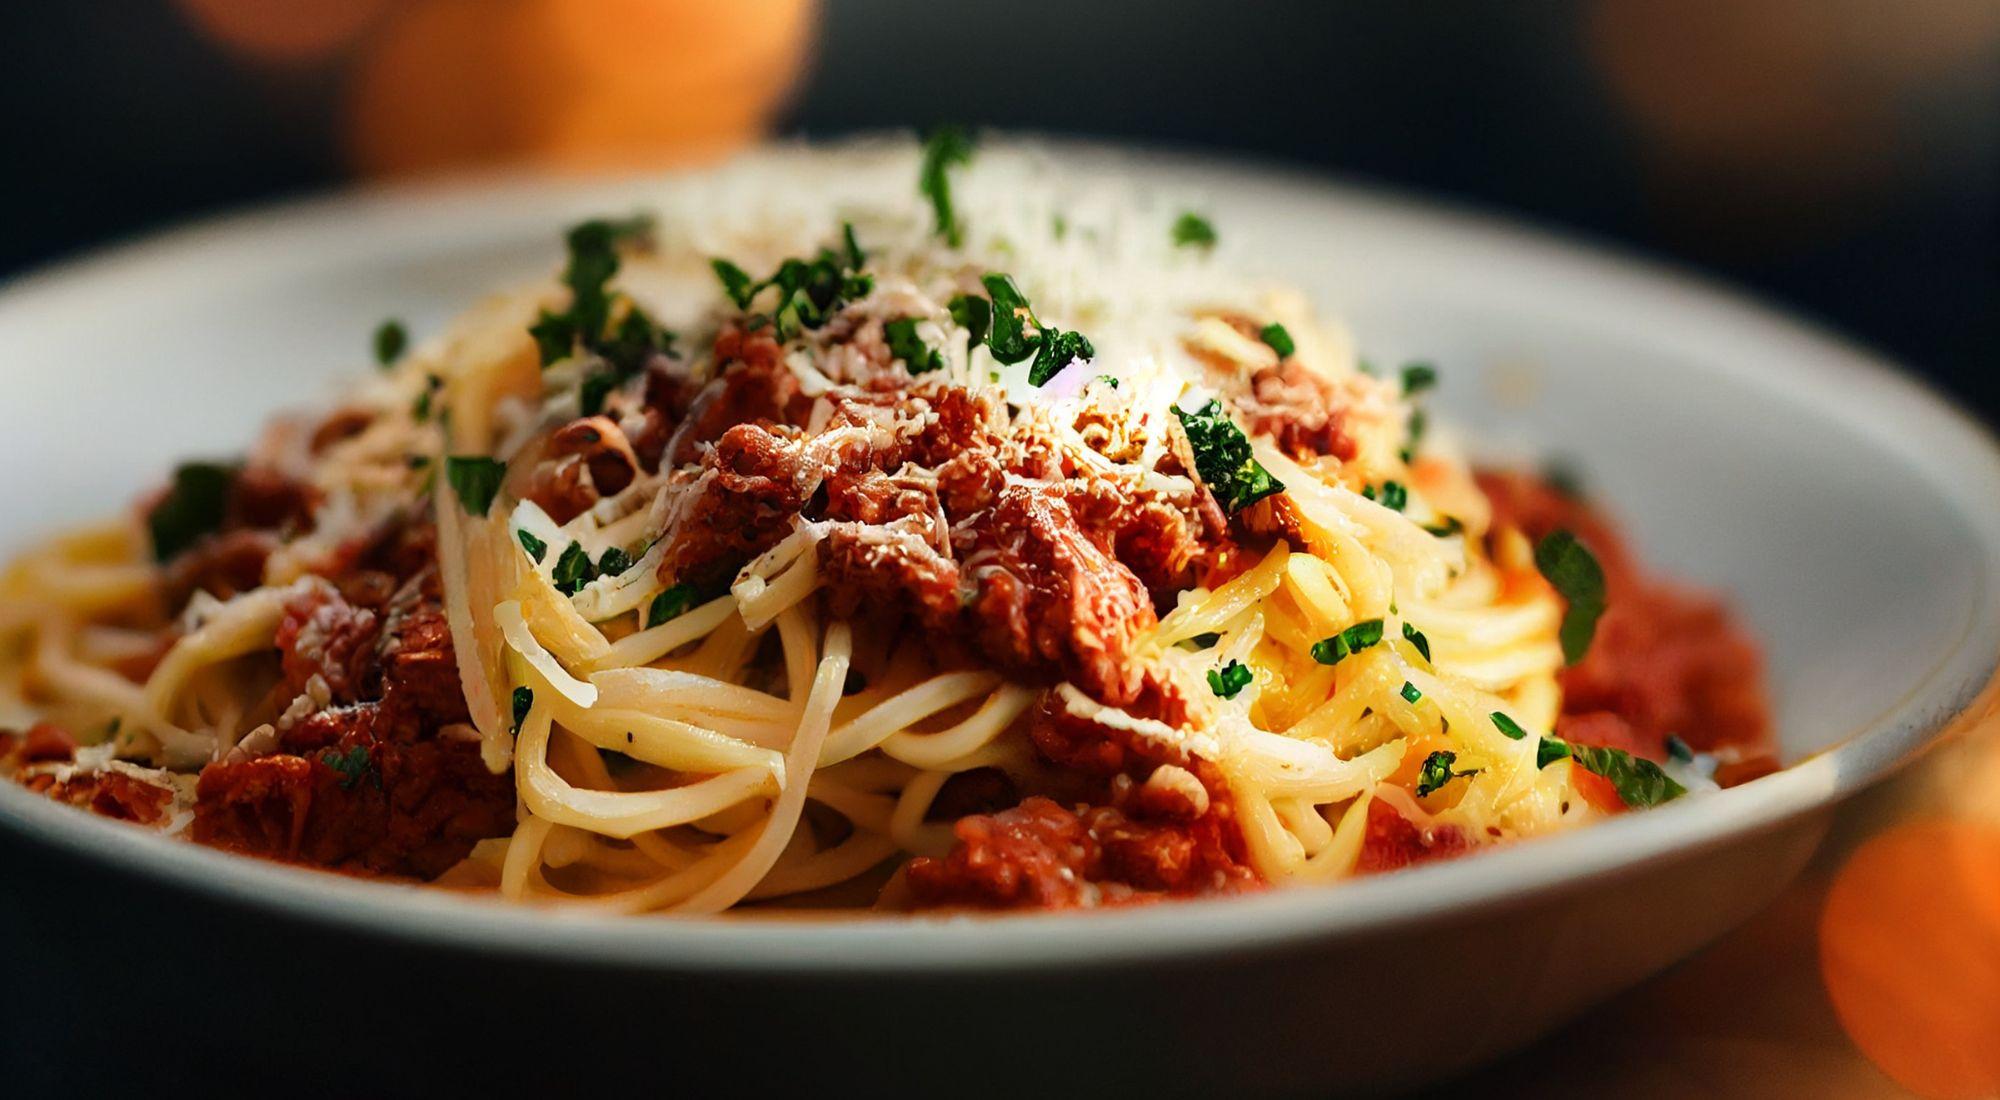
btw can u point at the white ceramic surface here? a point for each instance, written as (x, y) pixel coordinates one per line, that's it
(1849, 513)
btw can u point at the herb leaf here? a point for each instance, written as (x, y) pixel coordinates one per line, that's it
(476, 479)
(1012, 319)
(904, 343)
(1436, 772)
(1331, 651)
(670, 604)
(1639, 782)
(1228, 680)
(523, 700)
(944, 148)
(809, 292)
(1678, 749)
(536, 548)
(1392, 495)
(1418, 377)
(1508, 727)
(352, 764)
(572, 570)
(195, 505)
(1222, 457)
(1191, 230)
(1279, 340)
(390, 340)
(614, 562)
(973, 314)
(1417, 641)
(1059, 348)
(1573, 570)
(1410, 693)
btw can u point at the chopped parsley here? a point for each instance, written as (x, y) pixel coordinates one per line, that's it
(1191, 230)
(420, 409)
(1509, 728)
(809, 291)
(904, 343)
(572, 570)
(523, 700)
(1280, 340)
(614, 562)
(1573, 570)
(1419, 421)
(1107, 379)
(352, 764)
(1418, 377)
(670, 604)
(1204, 640)
(1640, 782)
(390, 340)
(476, 479)
(536, 548)
(944, 148)
(1016, 333)
(1222, 457)
(1437, 772)
(1452, 525)
(1410, 693)
(1392, 495)
(586, 324)
(1417, 641)
(195, 505)
(973, 314)
(1678, 749)
(1331, 651)
(1228, 680)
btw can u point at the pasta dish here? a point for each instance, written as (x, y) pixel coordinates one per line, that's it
(895, 526)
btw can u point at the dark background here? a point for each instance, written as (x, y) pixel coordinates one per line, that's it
(1837, 156)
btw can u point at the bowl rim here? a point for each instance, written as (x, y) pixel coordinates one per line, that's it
(1859, 388)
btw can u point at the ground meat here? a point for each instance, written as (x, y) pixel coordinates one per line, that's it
(390, 807)
(1665, 660)
(263, 509)
(1300, 410)
(1040, 855)
(113, 794)
(749, 487)
(583, 462)
(1046, 597)
(371, 779)
(1394, 841)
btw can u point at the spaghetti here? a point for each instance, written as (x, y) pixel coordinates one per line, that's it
(1005, 551)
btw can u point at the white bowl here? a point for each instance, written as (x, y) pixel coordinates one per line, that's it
(1848, 512)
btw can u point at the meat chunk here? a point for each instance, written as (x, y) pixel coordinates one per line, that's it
(1300, 410)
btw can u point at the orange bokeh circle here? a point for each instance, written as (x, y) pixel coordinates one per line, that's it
(1910, 952)
(571, 83)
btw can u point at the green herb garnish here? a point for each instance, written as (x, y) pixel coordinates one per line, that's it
(390, 340)
(1418, 377)
(973, 314)
(809, 291)
(1417, 641)
(1280, 340)
(1410, 693)
(1678, 749)
(1331, 651)
(476, 479)
(1639, 782)
(1573, 570)
(944, 148)
(593, 260)
(1419, 421)
(1191, 230)
(523, 700)
(670, 604)
(536, 548)
(1016, 333)
(195, 505)
(904, 343)
(1508, 727)
(1436, 772)
(1228, 680)
(1223, 459)
(572, 570)
(352, 764)
(1392, 495)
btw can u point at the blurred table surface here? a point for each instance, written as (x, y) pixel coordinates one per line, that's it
(1751, 1016)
